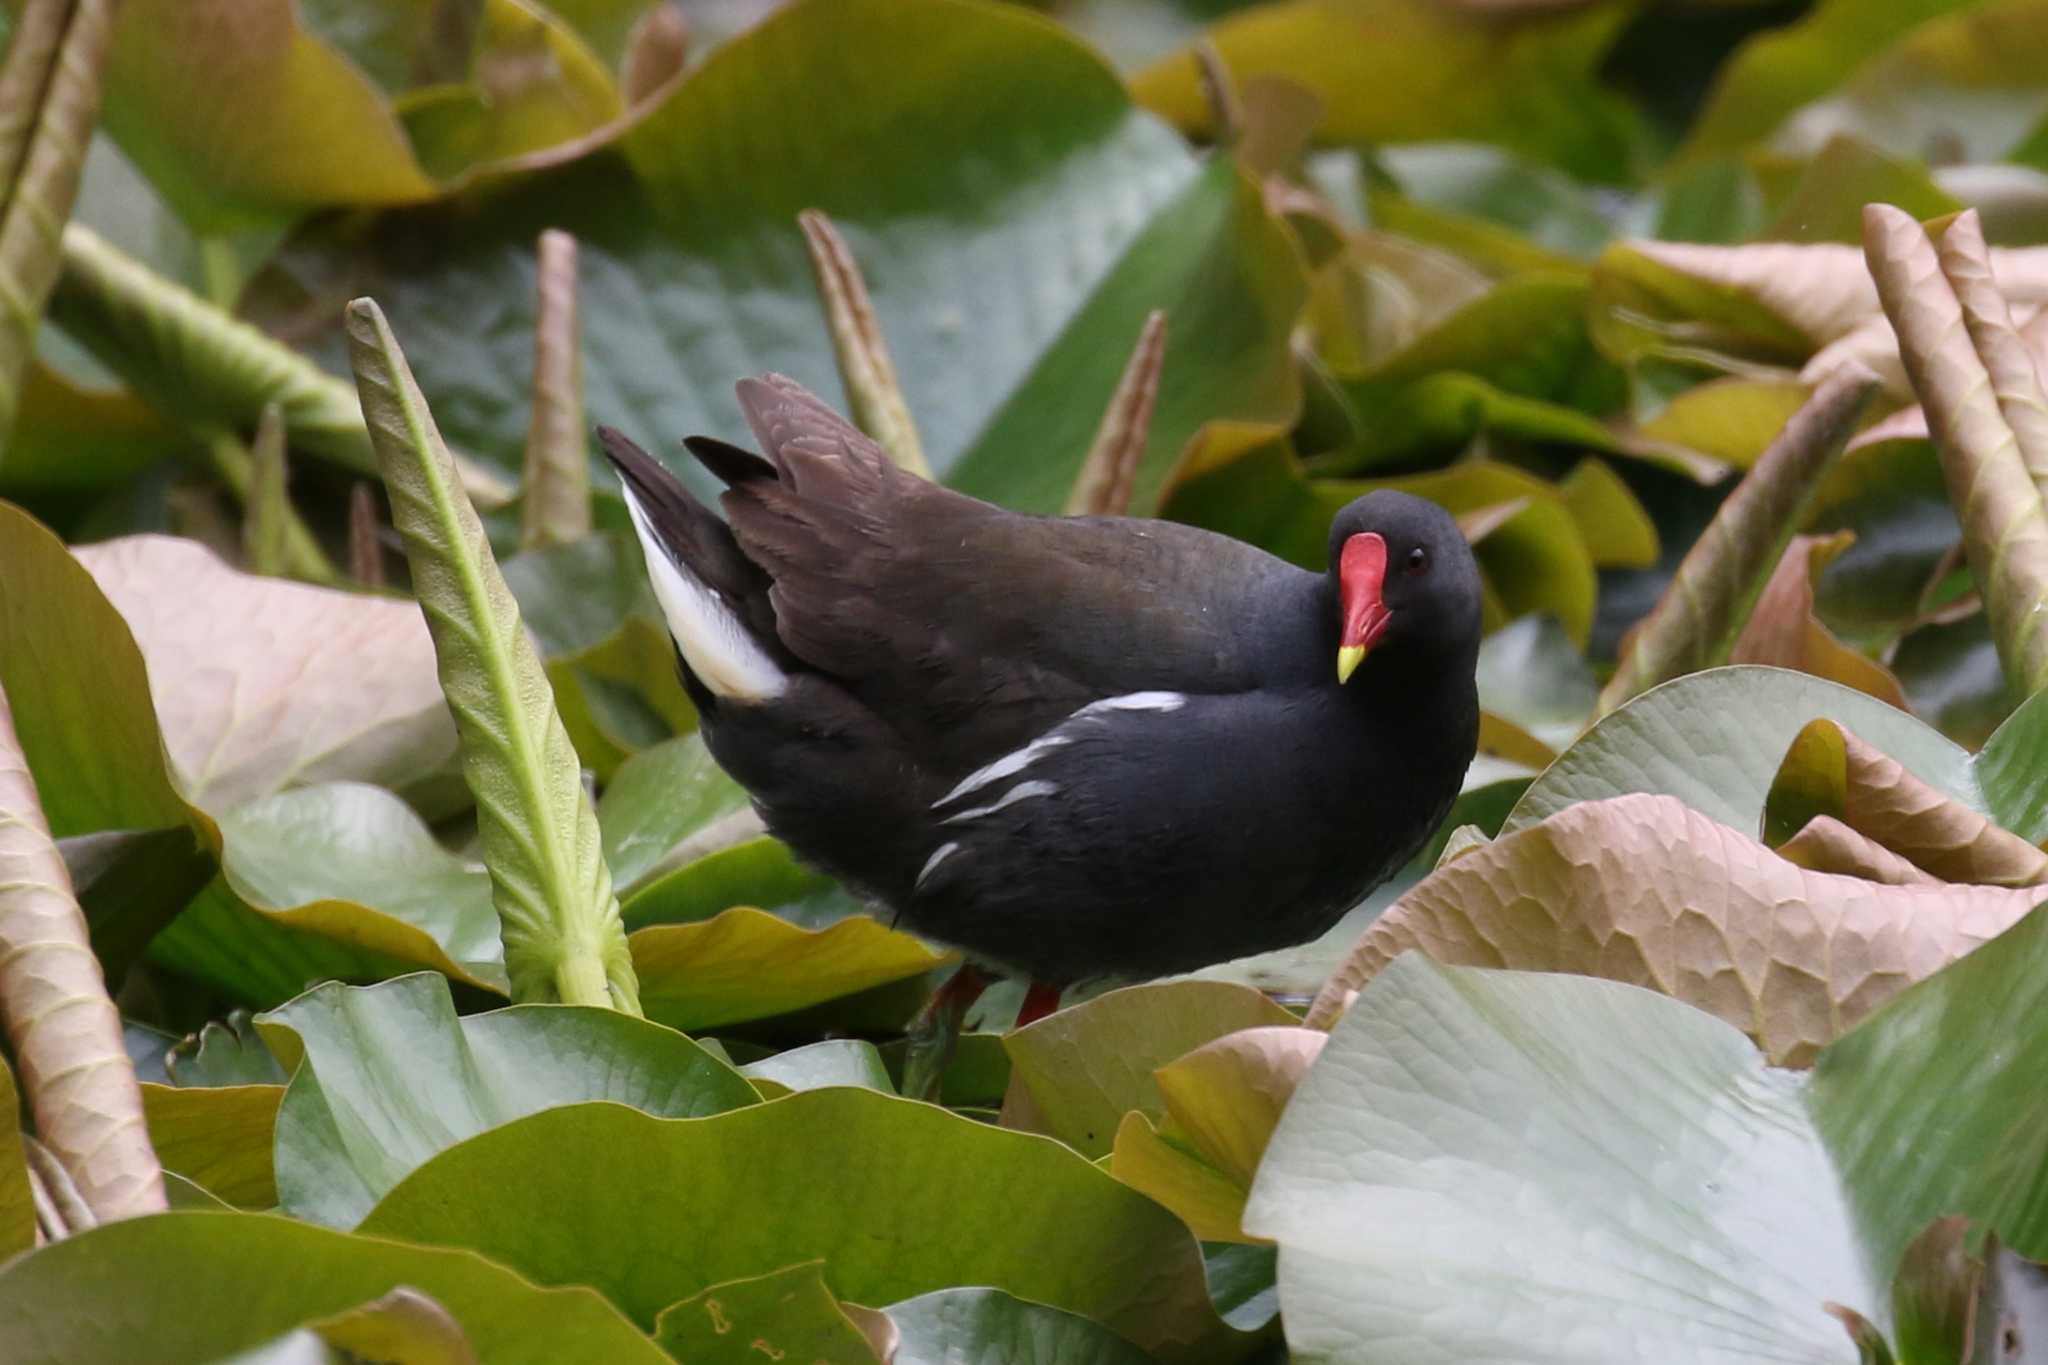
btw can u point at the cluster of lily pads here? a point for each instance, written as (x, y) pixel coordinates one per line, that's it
(458, 1008)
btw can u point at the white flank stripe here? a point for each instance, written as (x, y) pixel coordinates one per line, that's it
(1131, 701)
(1023, 791)
(932, 862)
(1017, 760)
(1008, 765)
(713, 642)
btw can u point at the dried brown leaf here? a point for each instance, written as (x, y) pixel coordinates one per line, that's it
(1784, 631)
(260, 683)
(1828, 845)
(1829, 772)
(1644, 889)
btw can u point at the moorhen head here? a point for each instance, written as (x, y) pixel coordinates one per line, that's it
(1071, 746)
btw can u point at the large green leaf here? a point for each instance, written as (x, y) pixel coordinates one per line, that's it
(1715, 741)
(387, 1076)
(783, 1313)
(899, 1198)
(1015, 215)
(657, 799)
(1087, 1066)
(1776, 73)
(336, 880)
(193, 1288)
(745, 964)
(17, 1203)
(1412, 70)
(989, 1327)
(1628, 1176)
(79, 690)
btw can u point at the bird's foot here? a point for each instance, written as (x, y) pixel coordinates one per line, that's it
(935, 1032)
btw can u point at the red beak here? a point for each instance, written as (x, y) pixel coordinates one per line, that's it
(1361, 581)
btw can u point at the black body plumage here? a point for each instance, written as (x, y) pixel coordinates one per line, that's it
(1070, 746)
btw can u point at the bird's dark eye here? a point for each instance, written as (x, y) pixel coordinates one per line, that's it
(1418, 560)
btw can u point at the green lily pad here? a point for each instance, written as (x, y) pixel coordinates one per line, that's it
(17, 1202)
(784, 1313)
(1088, 1066)
(990, 1327)
(1630, 1174)
(746, 964)
(193, 1288)
(386, 1076)
(1016, 217)
(1408, 70)
(900, 1198)
(834, 1061)
(1715, 741)
(656, 800)
(218, 1137)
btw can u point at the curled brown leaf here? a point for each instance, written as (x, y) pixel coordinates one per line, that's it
(1643, 889)
(64, 1028)
(1103, 487)
(1829, 772)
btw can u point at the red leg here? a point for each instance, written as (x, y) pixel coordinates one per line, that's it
(1040, 999)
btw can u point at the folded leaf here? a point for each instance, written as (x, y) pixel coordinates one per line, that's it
(1784, 631)
(1976, 381)
(1830, 772)
(1643, 890)
(385, 1076)
(559, 917)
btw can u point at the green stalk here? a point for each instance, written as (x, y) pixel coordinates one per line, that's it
(237, 468)
(556, 506)
(267, 507)
(197, 362)
(65, 1030)
(556, 909)
(44, 133)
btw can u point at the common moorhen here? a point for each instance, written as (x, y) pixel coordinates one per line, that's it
(1071, 746)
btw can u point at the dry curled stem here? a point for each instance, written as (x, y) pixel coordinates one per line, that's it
(1103, 487)
(872, 390)
(65, 1030)
(556, 509)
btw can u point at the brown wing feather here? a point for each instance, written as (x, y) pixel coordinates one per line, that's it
(932, 606)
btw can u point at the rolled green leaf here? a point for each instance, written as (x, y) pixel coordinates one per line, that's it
(556, 506)
(65, 1031)
(1965, 366)
(872, 391)
(200, 363)
(1697, 622)
(553, 892)
(54, 92)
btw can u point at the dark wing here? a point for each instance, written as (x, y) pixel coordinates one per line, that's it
(937, 609)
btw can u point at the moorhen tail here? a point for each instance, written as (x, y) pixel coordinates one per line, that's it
(1071, 746)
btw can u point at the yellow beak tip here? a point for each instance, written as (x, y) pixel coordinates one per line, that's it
(1348, 659)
